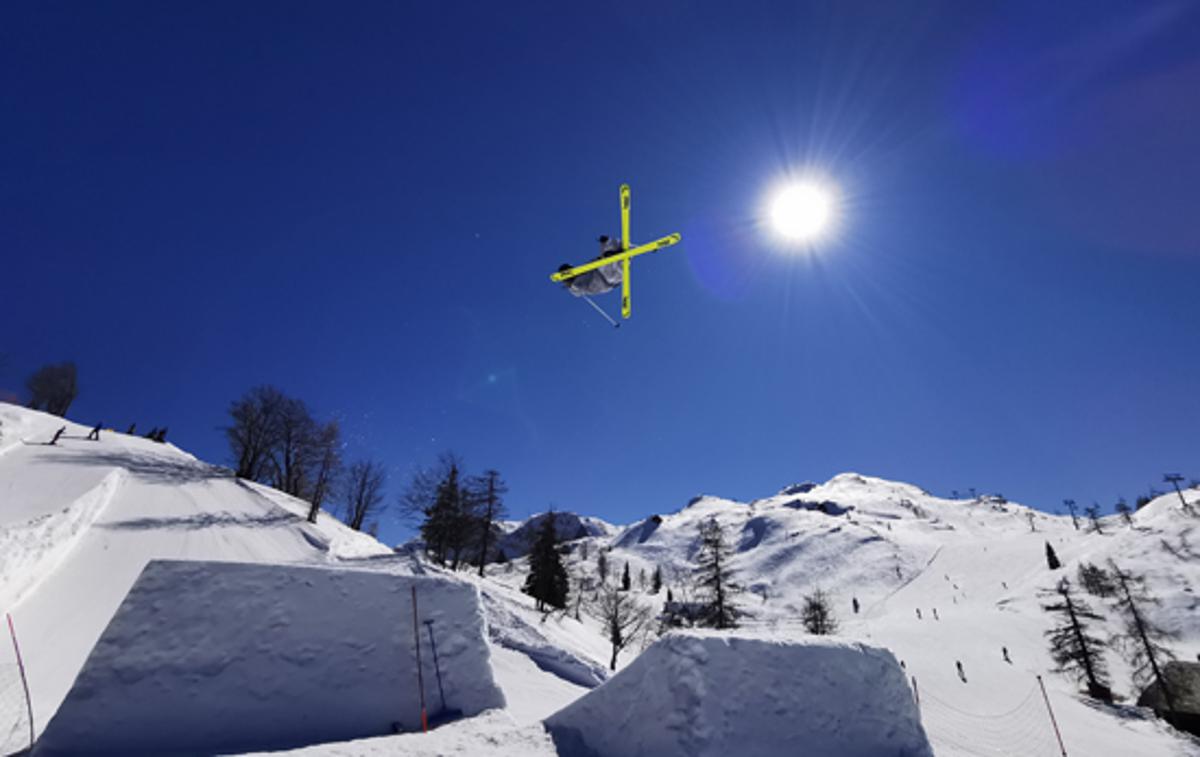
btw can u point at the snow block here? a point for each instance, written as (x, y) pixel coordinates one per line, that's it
(696, 694)
(208, 657)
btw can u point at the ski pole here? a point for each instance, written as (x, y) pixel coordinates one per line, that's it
(436, 667)
(600, 310)
(420, 677)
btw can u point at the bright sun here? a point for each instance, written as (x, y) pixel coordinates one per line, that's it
(802, 212)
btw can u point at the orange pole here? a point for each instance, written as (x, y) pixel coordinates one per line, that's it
(420, 676)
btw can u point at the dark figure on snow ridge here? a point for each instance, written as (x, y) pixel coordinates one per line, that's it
(152, 433)
(161, 436)
(129, 431)
(94, 435)
(57, 434)
(601, 280)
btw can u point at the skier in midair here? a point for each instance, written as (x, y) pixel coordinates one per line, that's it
(601, 280)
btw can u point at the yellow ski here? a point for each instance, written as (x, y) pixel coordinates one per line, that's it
(623, 257)
(655, 246)
(626, 307)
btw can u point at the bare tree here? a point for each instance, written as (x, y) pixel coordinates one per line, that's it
(291, 455)
(1070, 503)
(326, 457)
(625, 620)
(1093, 513)
(1174, 479)
(254, 431)
(817, 614)
(487, 492)
(363, 491)
(53, 388)
(1122, 508)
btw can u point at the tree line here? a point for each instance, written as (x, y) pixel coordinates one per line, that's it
(274, 439)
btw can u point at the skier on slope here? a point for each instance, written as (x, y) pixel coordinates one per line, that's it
(601, 280)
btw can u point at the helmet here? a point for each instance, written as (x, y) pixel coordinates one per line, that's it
(602, 238)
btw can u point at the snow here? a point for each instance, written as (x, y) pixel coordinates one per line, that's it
(493, 733)
(696, 694)
(218, 657)
(80, 520)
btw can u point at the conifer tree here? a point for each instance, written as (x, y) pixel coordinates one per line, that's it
(602, 566)
(1051, 558)
(656, 580)
(713, 578)
(817, 614)
(1096, 580)
(1072, 647)
(1093, 513)
(625, 578)
(1141, 641)
(547, 580)
(442, 514)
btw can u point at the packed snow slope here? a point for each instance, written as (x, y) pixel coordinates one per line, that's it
(940, 582)
(218, 657)
(710, 694)
(80, 520)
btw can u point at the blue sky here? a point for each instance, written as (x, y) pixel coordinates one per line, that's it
(361, 204)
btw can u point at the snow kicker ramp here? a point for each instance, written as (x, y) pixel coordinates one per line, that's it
(206, 657)
(701, 695)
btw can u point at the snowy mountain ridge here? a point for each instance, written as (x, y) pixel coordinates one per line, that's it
(940, 582)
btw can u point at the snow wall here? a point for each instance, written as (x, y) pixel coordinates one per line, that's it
(207, 657)
(698, 694)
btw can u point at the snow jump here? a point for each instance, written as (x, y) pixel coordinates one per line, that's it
(611, 267)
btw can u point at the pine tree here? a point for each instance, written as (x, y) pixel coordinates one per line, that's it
(1051, 558)
(817, 614)
(1093, 513)
(1072, 648)
(602, 566)
(656, 580)
(625, 578)
(713, 578)
(1141, 642)
(1096, 580)
(547, 580)
(442, 515)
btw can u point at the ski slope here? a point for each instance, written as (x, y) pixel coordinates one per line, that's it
(79, 521)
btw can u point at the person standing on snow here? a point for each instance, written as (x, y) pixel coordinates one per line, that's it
(601, 280)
